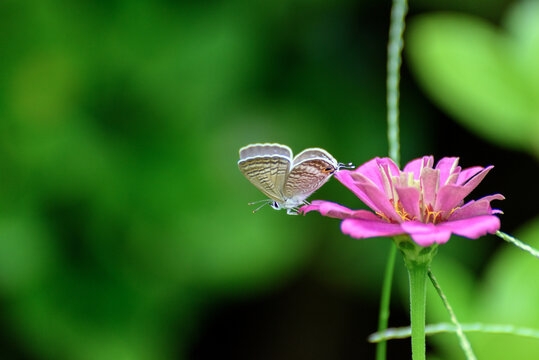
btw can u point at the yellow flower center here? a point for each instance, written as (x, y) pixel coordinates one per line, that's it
(429, 215)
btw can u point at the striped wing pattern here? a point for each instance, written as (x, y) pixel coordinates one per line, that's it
(267, 173)
(307, 176)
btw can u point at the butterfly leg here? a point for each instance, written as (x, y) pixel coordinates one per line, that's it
(292, 211)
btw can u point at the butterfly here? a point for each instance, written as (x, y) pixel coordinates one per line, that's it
(287, 181)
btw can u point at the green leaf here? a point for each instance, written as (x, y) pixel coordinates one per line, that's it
(479, 74)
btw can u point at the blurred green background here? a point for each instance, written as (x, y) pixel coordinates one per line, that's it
(124, 226)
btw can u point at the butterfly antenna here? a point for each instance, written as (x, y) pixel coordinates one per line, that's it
(259, 201)
(265, 202)
(345, 166)
(260, 207)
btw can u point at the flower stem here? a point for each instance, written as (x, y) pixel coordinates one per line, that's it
(394, 61)
(463, 340)
(417, 273)
(383, 317)
(417, 260)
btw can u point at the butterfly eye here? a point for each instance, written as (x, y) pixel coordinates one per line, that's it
(329, 170)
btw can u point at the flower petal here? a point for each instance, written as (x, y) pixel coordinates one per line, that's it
(371, 170)
(473, 181)
(331, 209)
(450, 196)
(387, 180)
(361, 229)
(429, 185)
(468, 173)
(447, 166)
(426, 234)
(344, 176)
(391, 169)
(475, 208)
(415, 166)
(409, 198)
(453, 177)
(473, 227)
(377, 197)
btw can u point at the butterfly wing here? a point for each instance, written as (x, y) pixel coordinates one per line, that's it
(266, 167)
(311, 169)
(314, 153)
(255, 150)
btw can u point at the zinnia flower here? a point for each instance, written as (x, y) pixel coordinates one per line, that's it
(425, 202)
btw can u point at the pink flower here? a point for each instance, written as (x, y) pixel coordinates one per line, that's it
(425, 202)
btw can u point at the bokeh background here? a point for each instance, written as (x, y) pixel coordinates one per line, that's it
(124, 226)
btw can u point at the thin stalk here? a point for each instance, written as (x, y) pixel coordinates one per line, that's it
(417, 273)
(463, 340)
(395, 45)
(383, 317)
(433, 329)
(518, 243)
(394, 60)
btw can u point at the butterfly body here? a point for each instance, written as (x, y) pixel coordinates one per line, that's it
(287, 181)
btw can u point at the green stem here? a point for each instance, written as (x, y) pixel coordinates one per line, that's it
(433, 329)
(394, 61)
(518, 243)
(417, 260)
(381, 347)
(417, 273)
